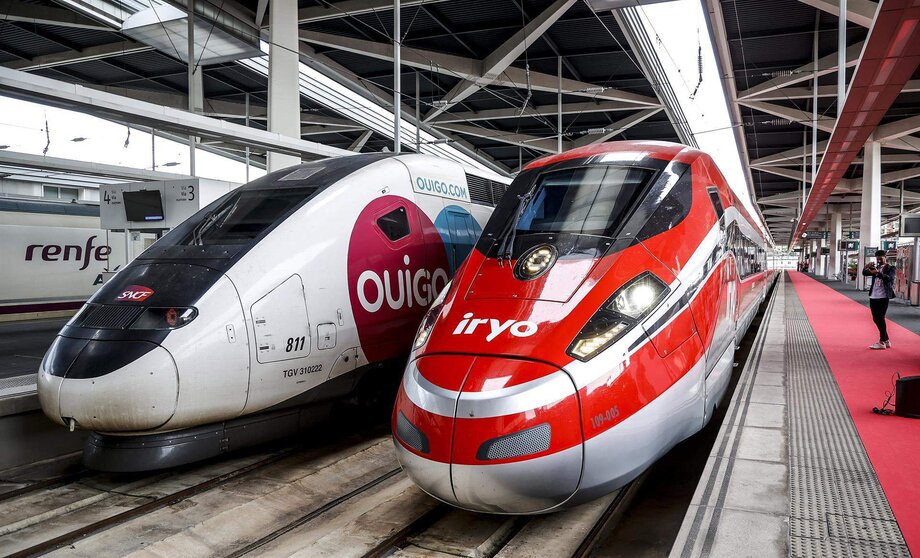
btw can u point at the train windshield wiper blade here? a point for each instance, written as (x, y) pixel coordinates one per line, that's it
(506, 248)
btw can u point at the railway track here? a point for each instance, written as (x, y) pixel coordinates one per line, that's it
(345, 499)
(40, 484)
(59, 512)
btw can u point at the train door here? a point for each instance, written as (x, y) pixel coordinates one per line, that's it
(462, 230)
(282, 342)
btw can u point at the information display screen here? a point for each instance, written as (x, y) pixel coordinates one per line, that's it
(910, 225)
(143, 206)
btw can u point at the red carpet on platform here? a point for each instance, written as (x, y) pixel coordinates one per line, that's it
(844, 330)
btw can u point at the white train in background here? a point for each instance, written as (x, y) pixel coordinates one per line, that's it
(54, 255)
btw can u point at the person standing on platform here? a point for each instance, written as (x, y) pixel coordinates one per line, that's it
(881, 290)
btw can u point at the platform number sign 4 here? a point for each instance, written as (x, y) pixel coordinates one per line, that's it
(295, 344)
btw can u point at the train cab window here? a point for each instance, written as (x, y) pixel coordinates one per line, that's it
(584, 200)
(673, 209)
(395, 224)
(716, 203)
(244, 215)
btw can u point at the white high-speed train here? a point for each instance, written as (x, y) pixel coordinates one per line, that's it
(283, 293)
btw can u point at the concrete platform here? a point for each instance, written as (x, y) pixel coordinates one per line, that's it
(788, 474)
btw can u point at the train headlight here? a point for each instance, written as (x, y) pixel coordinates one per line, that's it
(431, 316)
(164, 318)
(535, 262)
(627, 307)
(638, 296)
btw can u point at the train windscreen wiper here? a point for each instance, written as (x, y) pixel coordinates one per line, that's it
(506, 248)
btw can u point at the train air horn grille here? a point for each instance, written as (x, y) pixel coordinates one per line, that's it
(526, 442)
(411, 435)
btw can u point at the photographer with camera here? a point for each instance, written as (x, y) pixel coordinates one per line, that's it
(881, 290)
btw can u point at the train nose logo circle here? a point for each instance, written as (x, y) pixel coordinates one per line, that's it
(135, 293)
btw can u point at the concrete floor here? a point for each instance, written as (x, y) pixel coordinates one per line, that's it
(23, 344)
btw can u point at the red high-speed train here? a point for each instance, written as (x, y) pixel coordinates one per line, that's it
(593, 327)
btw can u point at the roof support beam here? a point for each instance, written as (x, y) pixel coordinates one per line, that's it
(57, 164)
(218, 108)
(547, 145)
(850, 185)
(544, 110)
(860, 12)
(359, 143)
(369, 90)
(75, 57)
(470, 69)
(824, 123)
(794, 156)
(887, 159)
(824, 91)
(16, 10)
(32, 87)
(617, 127)
(785, 173)
(897, 129)
(350, 8)
(826, 65)
(503, 56)
(319, 130)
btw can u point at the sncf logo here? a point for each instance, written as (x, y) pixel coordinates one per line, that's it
(135, 293)
(468, 325)
(399, 288)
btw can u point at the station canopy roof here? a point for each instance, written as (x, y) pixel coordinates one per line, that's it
(769, 70)
(505, 117)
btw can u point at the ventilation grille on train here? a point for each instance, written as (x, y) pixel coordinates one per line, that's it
(411, 435)
(484, 191)
(525, 442)
(108, 316)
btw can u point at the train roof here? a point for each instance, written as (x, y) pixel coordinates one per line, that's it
(49, 207)
(658, 149)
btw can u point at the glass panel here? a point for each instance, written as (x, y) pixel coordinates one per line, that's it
(716, 202)
(584, 200)
(395, 224)
(68, 194)
(244, 215)
(50, 192)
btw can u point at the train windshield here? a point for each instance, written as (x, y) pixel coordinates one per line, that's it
(584, 200)
(244, 215)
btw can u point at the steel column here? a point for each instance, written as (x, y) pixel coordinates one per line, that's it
(814, 101)
(397, 77)
(836, 237)
(841, 56)
(559, 107)
(283, 78)
(193, 90)
(870, 219)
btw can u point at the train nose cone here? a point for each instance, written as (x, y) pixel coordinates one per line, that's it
(508, 437)
(108, 386)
